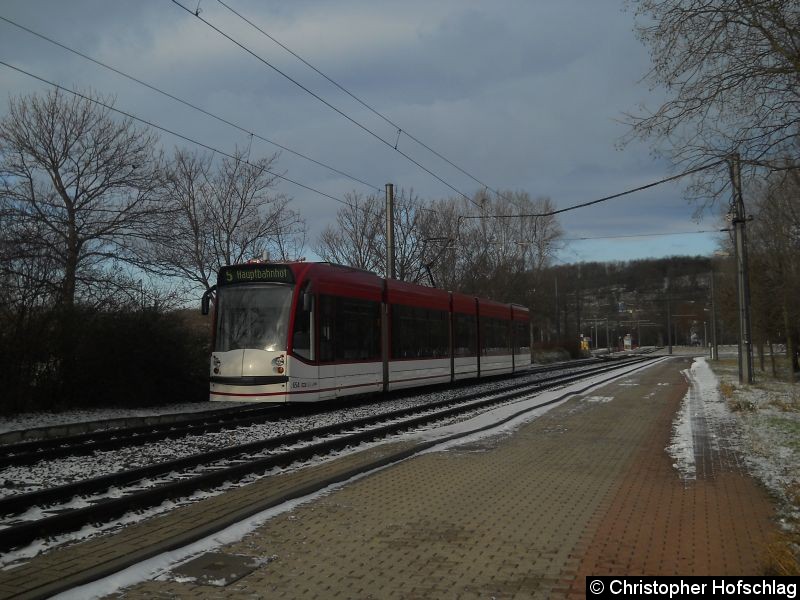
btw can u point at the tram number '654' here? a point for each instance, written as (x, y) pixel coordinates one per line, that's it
(297, 385)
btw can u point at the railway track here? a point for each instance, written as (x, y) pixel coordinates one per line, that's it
(30, 452)
(59, 510)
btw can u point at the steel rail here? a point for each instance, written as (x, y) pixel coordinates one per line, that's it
(30, 452)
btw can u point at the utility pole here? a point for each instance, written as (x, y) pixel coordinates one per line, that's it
(390, 272)
(742, 274)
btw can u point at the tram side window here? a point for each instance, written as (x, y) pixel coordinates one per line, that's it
(419, 333)
(522, 338)
(465, 342)
(349, 329)
(495, 337)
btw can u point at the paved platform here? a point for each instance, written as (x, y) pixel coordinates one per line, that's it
(585, 489)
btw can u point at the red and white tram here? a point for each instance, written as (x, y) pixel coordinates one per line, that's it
(304, 332)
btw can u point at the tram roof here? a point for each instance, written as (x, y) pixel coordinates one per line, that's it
(330, 278)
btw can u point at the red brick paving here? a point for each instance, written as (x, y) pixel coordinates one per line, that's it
(659, 524)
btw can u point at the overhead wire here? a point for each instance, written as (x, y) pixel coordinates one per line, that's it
(252, 134)
(639, 235)
(328, 104)
(174, 133)
(356, 207)
(606, 198)
(363, 103)
(187, 103)
(400, 130)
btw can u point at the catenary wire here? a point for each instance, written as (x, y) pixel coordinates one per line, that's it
(400, 130)
(187, 103)
(606, 198)
(174, 133)
(638, 235)
(339, 200)
(356, 207)
(328, 104)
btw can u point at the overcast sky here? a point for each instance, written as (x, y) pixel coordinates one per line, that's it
(524, 95)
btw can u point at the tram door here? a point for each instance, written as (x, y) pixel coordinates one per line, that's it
(304, 377)
(326, 358)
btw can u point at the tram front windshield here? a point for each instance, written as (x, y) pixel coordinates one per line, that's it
(253, 317)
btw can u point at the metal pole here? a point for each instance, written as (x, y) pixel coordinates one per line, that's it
(669, 323)
(558, 313)
(390, 272)
(705, 337)
(714, 348)
(578, 303)
(742, 274)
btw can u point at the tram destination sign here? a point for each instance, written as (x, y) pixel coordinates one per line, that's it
(255, 273)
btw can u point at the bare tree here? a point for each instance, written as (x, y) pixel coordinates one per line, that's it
(77, 185)
(496, 249)
(775, 276)
(731, 69)
(354, 240)
(218, 214)
(359, 237)
(408, 244)
(449, 242)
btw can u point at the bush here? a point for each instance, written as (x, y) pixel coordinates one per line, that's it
(555, 351)
(85, 358)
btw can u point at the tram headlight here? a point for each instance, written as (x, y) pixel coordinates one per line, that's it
(278, 363)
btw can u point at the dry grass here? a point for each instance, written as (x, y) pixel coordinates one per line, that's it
(727, 389)
(781, 556)
(783, 551)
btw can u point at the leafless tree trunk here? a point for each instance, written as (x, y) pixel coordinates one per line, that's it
(776, 246)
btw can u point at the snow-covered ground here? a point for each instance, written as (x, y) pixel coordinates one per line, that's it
(760, 422)
(34, 420)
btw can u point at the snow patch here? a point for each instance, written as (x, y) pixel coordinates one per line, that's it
(601, 399)
(681, 447)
